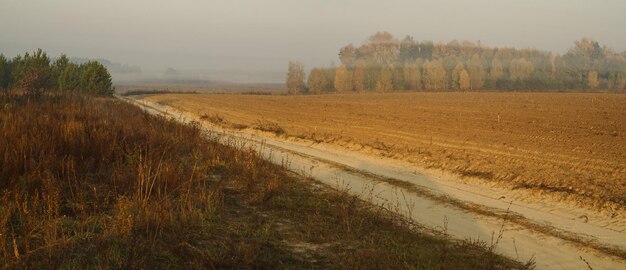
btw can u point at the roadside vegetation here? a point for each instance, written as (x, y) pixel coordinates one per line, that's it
(94, 182)
(384, 64)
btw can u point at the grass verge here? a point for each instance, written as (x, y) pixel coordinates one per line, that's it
(97, 183)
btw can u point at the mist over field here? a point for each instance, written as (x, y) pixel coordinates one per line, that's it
(252, 41)
(274, 134)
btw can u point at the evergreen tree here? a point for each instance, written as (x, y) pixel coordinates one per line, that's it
(58, 67)
(15, 71)
(4, 72)
(70, 79)
(35, 74)
(34, 77)
(95, 79)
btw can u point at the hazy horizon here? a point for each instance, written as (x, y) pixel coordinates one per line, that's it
(247, 36)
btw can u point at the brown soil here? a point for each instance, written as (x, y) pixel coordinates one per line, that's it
(568, 143)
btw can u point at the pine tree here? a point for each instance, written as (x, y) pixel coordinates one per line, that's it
(57, 68)
(4, 72)
(69, 81)
(96, 80)
(34, 77)
(16, 67)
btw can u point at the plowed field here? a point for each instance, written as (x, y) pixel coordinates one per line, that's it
(573, 144)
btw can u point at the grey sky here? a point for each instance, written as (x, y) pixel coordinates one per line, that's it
(265, 34)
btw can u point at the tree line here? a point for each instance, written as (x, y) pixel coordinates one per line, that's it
(383, 63)
(36, 72)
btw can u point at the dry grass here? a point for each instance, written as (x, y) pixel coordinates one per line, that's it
(97, 183)
(571, 144)
(267, 126)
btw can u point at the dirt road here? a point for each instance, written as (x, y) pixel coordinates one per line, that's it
(557, 236)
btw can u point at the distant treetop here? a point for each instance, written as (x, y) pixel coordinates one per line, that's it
(383, 61)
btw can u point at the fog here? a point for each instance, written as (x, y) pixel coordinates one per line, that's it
(253, 40)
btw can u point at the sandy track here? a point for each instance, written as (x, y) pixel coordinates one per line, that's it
(554, 234)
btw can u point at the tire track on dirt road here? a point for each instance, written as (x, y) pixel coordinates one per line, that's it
(556, 241)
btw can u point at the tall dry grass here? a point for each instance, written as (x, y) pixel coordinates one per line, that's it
(95, 183)
(107, 183)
